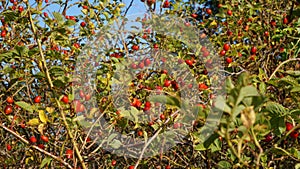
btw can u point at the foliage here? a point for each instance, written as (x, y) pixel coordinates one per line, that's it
(42, 58)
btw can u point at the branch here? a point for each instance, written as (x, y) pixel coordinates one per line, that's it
(289, 60)
(65, 8)
(128, 8)
(151, 139)
(36, 147)
(261, 151)
(71, 135)
(146, 145)
(291, 12)
(40, 48)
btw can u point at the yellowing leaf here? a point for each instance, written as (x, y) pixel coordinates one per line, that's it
(50, 109)
(41, 128)
(43, 116)
(213, 23)
(29, 159)
(121, 5)
(92, 112)
(33, 122)
(248, 117)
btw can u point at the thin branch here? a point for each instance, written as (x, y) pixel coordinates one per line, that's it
(65, 8)
(128, 8)
(152, 138)
(146, 145)
(40, 48)
(36, 147)
(289, 60)
(261, 151)
(291, 11)
(71, 135)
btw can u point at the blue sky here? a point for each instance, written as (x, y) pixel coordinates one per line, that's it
(137, 7)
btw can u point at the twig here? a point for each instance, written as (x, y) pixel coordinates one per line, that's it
(90, 130)
(146, 145)
(128, 8)
(152, 138)
(22, 87)
(289, 60)
(65, 8)
(291, 11)
(71, 135)
(36, 147)
(40, 48)
(258, 146)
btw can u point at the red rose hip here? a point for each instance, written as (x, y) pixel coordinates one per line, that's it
(10, 100)
(37, 99)
(226, 47)
(32, 139)
(289, 126)
(45, 138)
(8, 109)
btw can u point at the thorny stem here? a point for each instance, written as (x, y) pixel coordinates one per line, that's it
(40, 49)
(71, 135)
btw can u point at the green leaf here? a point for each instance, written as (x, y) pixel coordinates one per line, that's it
(58, 17)
(262, 88)
(162, 78)
(92, 13)
(84, 11)
(85, 123)
(278, 124)
(77, 118)
(237, 110)
(214, 148)
(273, 82)
(126, 114)
(115, 144)
(224, 164)
(275, 109)
(221, 105)
(247, 91)
(40, 75)
(170, 100)
(8, 54)
(295, 152)
(9, 15)
(210, 140)
(134, 112)
(46, 161)
(21, 50)
(106, 14)
(111, 137)
(56, 71)
(296, 89)
(59, 83)
(290, 80)
(25, 106)
(295, 112)
(221, 15)
(200, 147)
(33, 51)
(70, 22)
(217, 146)
(229, 84)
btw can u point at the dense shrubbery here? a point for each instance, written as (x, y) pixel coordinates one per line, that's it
(46, 102)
